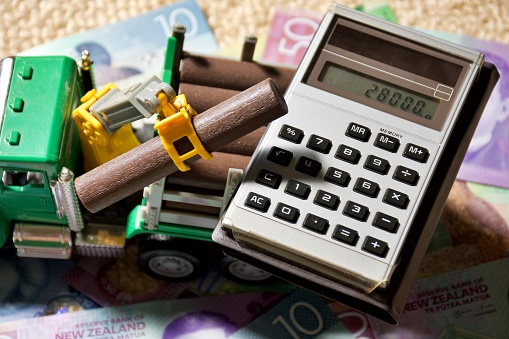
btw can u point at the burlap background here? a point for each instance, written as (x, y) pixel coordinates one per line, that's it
(27, 23)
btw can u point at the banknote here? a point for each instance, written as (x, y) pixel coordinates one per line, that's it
(292, 29)
(119, 281)
(468, 303)
(134, 48)
(33, 287)
(301, 315)
(487, 158)
(210, 317)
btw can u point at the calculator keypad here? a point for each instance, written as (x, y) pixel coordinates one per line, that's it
(363, 215)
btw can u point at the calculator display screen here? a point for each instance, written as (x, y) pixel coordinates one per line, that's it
(373, 89)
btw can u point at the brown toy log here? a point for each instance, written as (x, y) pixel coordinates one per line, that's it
(231, 74)
(209, 174)
(218, 126)
(201, 98)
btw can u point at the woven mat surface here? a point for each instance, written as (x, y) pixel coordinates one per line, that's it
(27, 23)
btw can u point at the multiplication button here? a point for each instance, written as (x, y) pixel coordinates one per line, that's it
(291, 133)
(375, 246)
(257, 201)
(396, 198)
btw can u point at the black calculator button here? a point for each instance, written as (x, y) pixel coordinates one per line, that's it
(291, 133)
(346, 235)
(286, 212)
(319, 144)
(387, 142)
(416, 153)
(406, 175)
(327, 200)
(280, 156)
(356, 211)
(348, 154)
(385, 222)
(337, 176)
(377, 164)
(308, 166)
(257, 201)
(316, 223)
(396, 198)
(269, 178)
(358, 132)
(297, 189)
(375, 246)
(366, 187)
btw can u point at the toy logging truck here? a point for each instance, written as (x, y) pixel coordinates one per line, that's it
(56, 126)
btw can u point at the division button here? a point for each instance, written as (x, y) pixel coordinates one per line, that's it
(416, 153)
(387, 142)
(291, 133)
(286, 212)
(345, 235)
(308, 166)
(375, 246)
(406, 175)
(337, 177)
(358, 132)
(257, 201)
(280, 156)
(319, 144)
(298, 189)
(269, 178)
(396, 198)
(316, 223)
(356, 211)
(385, 222)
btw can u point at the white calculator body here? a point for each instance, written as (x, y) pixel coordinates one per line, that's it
(335, 185)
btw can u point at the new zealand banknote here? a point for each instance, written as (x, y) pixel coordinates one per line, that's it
(32, 287)
(468, 303)
(211, 318)
(487, 159)
(301, 315)
(133, 49)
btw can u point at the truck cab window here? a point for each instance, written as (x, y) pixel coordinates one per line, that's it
(20, 178)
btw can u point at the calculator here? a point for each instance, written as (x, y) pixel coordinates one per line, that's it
(343, 193)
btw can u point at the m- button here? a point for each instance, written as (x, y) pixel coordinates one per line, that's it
(387, 142)
(416, 153)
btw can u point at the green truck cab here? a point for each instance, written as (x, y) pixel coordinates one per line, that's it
(38, 139)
